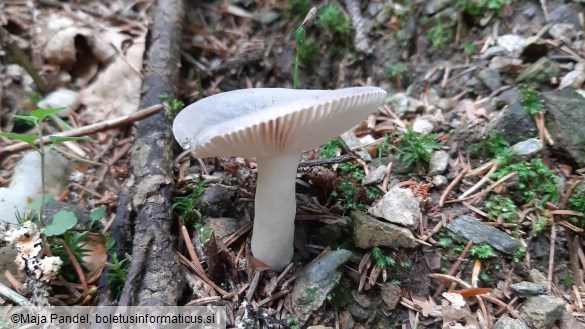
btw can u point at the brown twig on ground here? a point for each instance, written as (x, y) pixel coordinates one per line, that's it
(202, 276)
(480, 183)
(449, 188)
(479, 195)
(76, 265)
(91, 129)
(134, 271)
(190, 249)
(455, 267)
(551, 259)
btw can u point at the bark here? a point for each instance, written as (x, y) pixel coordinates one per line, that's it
(157, 278)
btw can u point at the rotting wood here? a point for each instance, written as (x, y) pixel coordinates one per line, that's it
(161, 282)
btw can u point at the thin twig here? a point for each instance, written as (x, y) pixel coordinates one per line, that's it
(451, 186)
(91, 129)
(13, 296)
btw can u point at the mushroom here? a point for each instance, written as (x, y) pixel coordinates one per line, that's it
(274, 125)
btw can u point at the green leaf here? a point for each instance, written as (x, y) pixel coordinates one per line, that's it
(36, 204)
(40, 114)
(27, 118)
(62, 221)
(98, 213)
(29, 139)
(110, 243)
(61, 139)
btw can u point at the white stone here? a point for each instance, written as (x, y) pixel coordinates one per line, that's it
(398, 206)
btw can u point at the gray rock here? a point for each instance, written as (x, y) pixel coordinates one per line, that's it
(390, 294)
(361, 299)
(565, 119)
(528, 147)
(218, 200)
(439, 181)
(514, 123)
(438, 162)
(490, 78)
(505, 63)
(422, 126)
(541, 312)
(369, 232)
(375, 176)
(478, 232)
(316, 281)
(541, 71)
(568, 321)
(573, 79)
(398, 206)
(568, 14)
(353, 143)
(506, 322)
(511, 42)
(535, 276)
(493, 51)
(526, 289)
(562, 31)
(402, 104)
(434, 6)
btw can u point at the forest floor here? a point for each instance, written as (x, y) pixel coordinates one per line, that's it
(482, 131)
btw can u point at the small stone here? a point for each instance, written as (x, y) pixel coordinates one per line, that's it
(354, 144)
(439, 181)
(368, 232)
(478, 232)
(390, 294)
(316, 281)
(542, 71)
(402, 104)
(505, 322)
(541, 312)
(422, 126)
(398, 206)
(528, 147)
(526, 289)
(375, 176)
(218, 201)
(493, 51)
(438, 162)
(535, 276)
(504, 63)
(434, 6)
(562, 31)
(362, 299)
(490, 78)
(511, 42)
(573, 79)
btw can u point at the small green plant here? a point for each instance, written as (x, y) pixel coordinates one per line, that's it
(469, 49)
(299, 36)
(330, 149)
(445, 241)
(479, 7)
(36, 117)
(568, 280)
(491, 145)
(347, 191)
(116, 275)
(577, 203)
(540, 225)
(309, 51)
(501, 206)
(531, 100)
(354, 170)
(185, 206)
(332, 19)
(484, 277)
(415, 148)
(380, 259)
(299, 7)
(482, 251)
(395, 70)
(75, 241)
(535, 181)
(174, 105)
(440, 34)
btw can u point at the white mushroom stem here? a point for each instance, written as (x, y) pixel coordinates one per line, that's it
(275, 208)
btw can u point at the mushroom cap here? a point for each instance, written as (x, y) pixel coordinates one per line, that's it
(266, 122)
